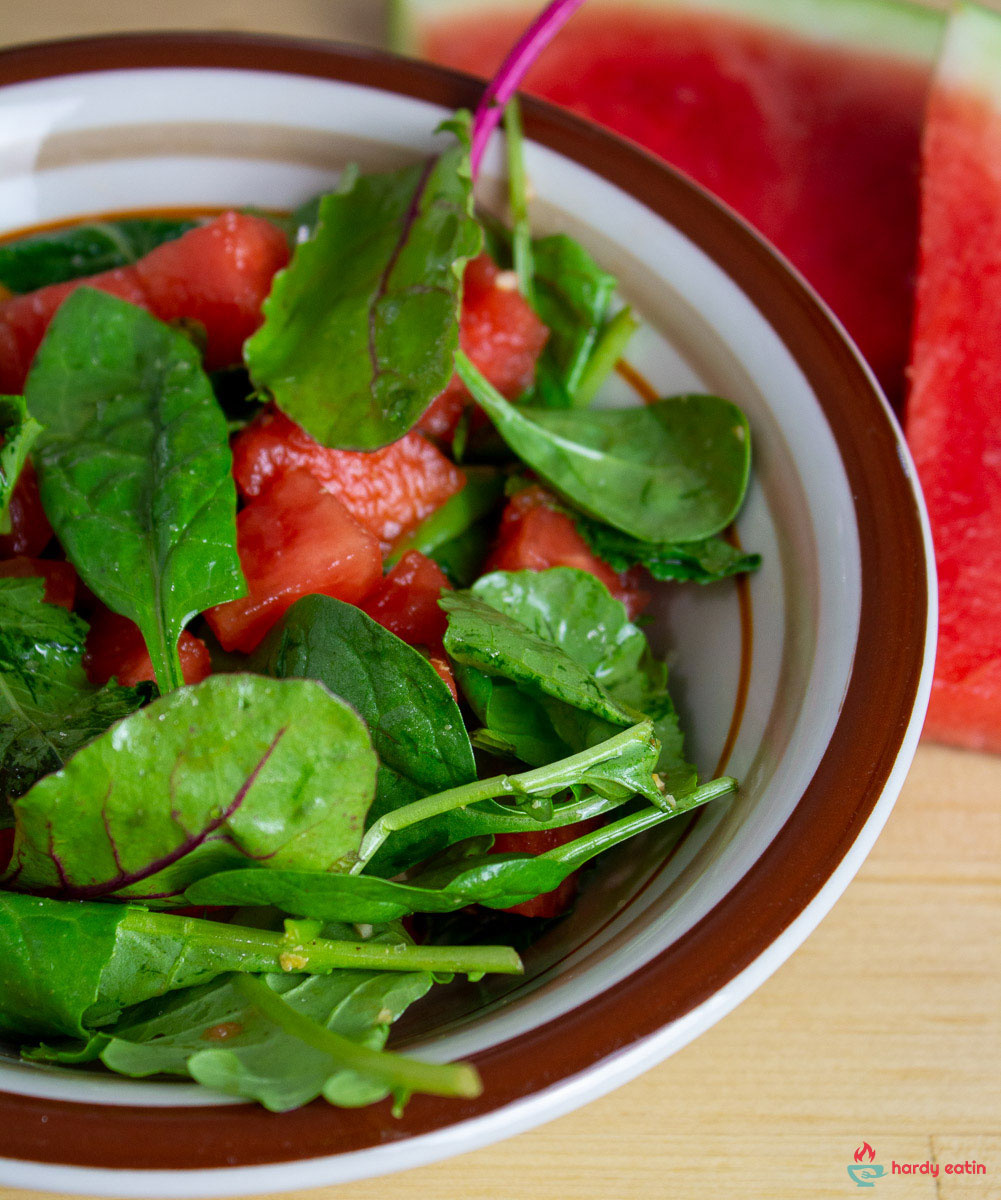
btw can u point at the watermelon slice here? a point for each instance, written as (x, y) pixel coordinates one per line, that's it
(954, 410)
(803, 115)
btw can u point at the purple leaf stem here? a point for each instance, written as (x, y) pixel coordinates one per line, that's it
(513, 69)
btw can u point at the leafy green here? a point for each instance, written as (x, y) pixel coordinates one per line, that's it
(619, 767)
(360, 330)
(135, 468)
(415, 725)
(671, 471)
(482, 636)
(572, 296)
(704, 561)
(238, 767)
(230, 1038)
(574, 612)
(18, 432)
(48, 709)
(494, 880)
(85, 249)
(123, 956)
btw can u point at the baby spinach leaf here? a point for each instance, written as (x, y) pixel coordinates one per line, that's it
(360, 330)
(671, 471)
(415, 725)
(18, 432)
(238, 767)
(494, 880)
(135, 468)
(85, 249)
(704, 561)
(48, 709)
(231, 1039)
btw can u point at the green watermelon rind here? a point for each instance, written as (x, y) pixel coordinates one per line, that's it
(895, 27)
(971, 52)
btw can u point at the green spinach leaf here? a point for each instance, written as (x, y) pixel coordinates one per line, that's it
(48, 709)
(18, 432)
(62, 254)
(704, 561)
(135, 468)
(671, 471)
(238, 767)
(360, 330)
(415, 725)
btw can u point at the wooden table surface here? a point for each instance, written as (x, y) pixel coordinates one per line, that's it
(884, 1027)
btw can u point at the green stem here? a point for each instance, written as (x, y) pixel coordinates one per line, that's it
(545, 780)
(396, 1071)
(484, 487)
(608, 349)
(517, 182)
(578, 852)
(239, 948)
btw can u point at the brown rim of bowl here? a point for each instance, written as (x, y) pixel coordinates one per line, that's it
(826, 821)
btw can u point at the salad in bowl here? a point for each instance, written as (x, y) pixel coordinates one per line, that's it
(363, 562)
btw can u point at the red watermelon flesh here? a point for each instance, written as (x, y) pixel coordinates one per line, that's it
(816, 143)
(954, 410)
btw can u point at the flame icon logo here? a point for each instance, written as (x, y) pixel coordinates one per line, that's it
(864, 1171)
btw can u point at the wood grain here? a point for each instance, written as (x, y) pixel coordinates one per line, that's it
(884, 1027)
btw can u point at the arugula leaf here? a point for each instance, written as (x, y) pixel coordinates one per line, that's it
(62, 254)
(415, 725)
(704, 561)
(229, 1038)
(48, 709)
(238, 767)
(135, 469)
(671, 471)
(18, 433)
(494, 880)
(360, 330)
(574, 611)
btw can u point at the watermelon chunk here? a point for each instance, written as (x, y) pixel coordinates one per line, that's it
(804, 116)
(954, 410)
(217, 275)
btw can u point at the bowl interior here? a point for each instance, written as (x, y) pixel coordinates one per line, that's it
(760, 670)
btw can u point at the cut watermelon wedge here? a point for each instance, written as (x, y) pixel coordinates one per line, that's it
(954, 410)
(803, 115)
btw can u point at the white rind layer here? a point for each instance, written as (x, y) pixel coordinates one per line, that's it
(903, 30)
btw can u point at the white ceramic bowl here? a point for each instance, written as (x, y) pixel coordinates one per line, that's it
(810, 685)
